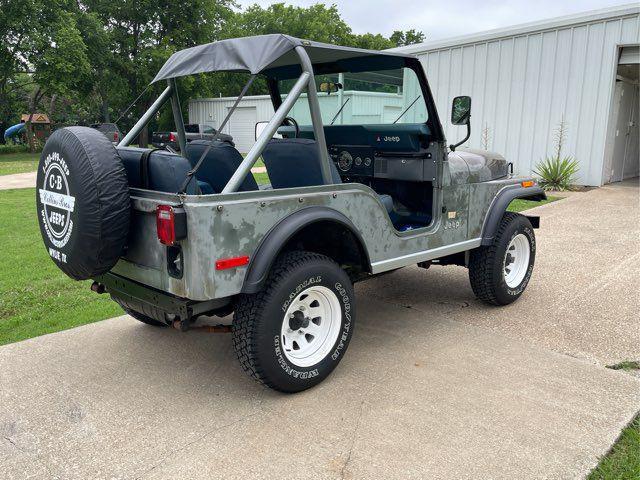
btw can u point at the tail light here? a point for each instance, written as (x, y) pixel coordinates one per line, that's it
(172, 137)
(115, 136)
(171, 224)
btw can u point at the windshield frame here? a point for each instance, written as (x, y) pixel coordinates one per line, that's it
(433, 121)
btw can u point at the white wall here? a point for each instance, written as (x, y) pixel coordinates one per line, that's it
(523, 80)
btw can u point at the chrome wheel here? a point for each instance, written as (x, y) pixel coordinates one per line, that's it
(516, 260)
(311, 326)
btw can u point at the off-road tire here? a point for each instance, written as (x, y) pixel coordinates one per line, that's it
(141, 317)
(259, 317)
(486, 264)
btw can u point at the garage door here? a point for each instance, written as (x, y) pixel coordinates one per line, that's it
(242, 126)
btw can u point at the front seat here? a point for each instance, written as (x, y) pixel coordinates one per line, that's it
(219, 165)
(295, 162)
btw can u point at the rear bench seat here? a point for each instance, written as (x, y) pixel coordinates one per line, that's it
(167, 171)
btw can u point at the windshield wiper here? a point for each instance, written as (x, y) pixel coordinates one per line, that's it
(407, 109)
(338, 112)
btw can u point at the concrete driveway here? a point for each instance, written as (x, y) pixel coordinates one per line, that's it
(435, 384)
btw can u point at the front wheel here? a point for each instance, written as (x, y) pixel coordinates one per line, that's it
(500, 272)
(291, 335)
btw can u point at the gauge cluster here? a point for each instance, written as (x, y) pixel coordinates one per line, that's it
(353, 159)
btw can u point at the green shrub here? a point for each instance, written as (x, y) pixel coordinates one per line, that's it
(557, 173)
(13, 148)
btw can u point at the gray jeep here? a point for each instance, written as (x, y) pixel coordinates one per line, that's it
(361, 183)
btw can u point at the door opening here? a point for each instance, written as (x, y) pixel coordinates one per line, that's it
(623, 154)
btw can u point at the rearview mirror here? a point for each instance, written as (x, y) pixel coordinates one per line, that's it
(330, 87)
(260, 126)
(461, 110)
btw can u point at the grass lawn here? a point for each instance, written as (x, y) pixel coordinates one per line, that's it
(11, 163)
(623, 461)
(519, 205)
(261, 178)
(35, 297)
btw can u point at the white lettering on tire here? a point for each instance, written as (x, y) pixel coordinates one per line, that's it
(57, 204)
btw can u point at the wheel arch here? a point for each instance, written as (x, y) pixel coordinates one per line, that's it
(501, 203)
(302, 228)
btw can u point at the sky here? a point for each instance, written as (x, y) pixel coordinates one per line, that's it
(446, 18)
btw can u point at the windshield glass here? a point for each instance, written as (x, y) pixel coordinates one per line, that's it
(363, 98)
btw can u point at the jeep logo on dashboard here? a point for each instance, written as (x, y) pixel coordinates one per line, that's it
(388, 138)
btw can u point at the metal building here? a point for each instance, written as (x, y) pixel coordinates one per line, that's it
(524, 80)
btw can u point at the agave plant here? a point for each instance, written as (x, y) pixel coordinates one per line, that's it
(557, 173)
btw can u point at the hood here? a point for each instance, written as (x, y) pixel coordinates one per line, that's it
(481, 165)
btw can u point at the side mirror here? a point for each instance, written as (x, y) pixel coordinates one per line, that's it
(461, 110)
(330, 87)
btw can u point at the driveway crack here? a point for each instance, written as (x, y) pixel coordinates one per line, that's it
(186, 446)
(353, 441)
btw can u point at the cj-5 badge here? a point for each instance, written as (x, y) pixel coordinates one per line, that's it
(57, 204)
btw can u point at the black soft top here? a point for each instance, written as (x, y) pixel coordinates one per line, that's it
(275, 55)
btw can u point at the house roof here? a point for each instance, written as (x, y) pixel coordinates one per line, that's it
(37, 118)
(629, 9)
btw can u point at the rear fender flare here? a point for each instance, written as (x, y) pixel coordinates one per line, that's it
(499, 207)
(274, 241)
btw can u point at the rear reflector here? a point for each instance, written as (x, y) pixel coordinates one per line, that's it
(528, 183)
(172, 137)
(232, 262)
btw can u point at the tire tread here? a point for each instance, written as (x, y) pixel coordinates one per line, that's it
(249, 307)
(482, 260)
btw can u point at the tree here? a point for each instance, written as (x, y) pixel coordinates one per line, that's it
(144, 33)
(40, 39)
(401, 38)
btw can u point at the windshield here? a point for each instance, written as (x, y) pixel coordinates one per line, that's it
(363, 98)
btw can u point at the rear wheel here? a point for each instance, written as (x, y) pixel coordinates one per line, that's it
(500, 272)
(292, 335)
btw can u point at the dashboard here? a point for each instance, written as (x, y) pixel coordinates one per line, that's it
(357, 161)
(394, 152)
(353, 159)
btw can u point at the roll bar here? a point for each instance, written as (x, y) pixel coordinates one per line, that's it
(305, 80)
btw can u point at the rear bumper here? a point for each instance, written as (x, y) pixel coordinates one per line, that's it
(135, 295)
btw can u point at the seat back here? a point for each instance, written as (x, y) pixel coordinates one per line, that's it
(166, 170)
(295, 162)
(219, 165)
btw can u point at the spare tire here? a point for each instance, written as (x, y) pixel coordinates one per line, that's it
(83, 203)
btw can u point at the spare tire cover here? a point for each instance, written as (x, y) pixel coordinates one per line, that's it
(83, 202)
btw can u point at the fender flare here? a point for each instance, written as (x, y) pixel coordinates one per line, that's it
(275, 239)
(500, 204)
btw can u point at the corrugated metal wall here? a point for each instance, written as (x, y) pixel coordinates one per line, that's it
(522, 85)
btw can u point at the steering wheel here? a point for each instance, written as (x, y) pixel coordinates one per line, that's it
(291, 122)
